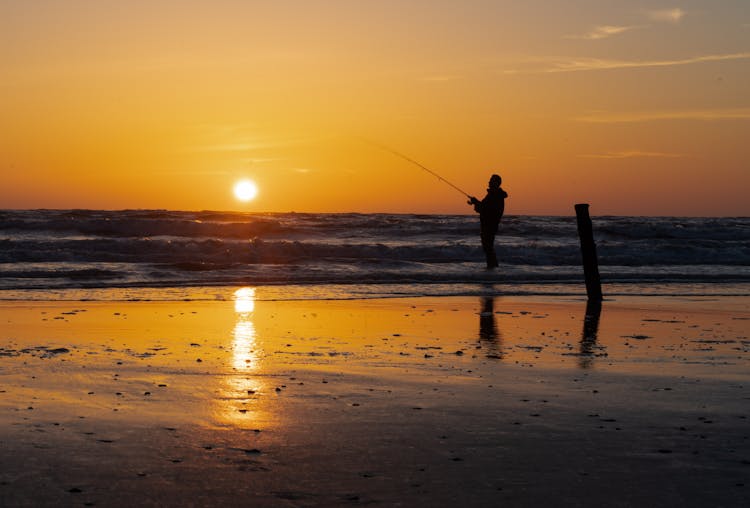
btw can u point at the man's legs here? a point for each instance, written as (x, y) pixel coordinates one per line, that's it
(488, 245)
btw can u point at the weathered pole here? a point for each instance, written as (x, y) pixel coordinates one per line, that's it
(588, 253)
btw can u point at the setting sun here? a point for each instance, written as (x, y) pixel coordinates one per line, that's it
(245, 190)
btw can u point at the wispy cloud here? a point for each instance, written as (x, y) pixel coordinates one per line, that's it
(233, 147)
(182, 172)
(632, 154)
(247, 139)
(442, 77)
(602, 32)
(667, 15)
(605, 31)
(241, 143)
(259, 164)
(652, 116)
(582, 64)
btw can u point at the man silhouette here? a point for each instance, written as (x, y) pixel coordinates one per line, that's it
(490, 211)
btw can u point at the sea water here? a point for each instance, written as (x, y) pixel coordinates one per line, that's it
(49, 254)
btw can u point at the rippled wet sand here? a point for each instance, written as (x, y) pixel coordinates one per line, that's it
(420, 401)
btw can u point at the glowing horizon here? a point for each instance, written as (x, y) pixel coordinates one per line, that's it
(636, 109)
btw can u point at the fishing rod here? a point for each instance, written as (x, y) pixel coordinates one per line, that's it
(399, 154)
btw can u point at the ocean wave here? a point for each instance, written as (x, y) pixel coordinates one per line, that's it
(74, 274)
(179, 275)
(131, 247)
(259, 251)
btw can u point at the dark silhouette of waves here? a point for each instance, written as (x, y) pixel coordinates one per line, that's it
(75, 248)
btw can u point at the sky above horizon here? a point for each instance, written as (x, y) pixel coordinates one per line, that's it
(636, 107)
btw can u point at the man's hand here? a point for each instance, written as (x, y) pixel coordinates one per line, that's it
(472, 201)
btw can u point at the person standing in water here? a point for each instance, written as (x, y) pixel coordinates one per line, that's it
(490, 210)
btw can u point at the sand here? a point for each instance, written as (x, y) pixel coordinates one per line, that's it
(385, 402)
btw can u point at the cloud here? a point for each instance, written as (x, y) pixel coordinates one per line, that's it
(442, 77)
(233, 147)
(667, 15)
(602, 32)
(632, 154)
(605, 31)
(597, 64)
(182, 172)
(651, 116)
(243, 144)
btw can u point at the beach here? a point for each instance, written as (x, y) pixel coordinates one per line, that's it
(431, 401)
(336, 253)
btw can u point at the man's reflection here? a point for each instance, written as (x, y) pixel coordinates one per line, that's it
(589, 333)
(489, 336)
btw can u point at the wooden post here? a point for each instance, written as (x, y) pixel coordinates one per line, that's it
(588, 253)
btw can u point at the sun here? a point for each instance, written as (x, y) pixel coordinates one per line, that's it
(245, 190)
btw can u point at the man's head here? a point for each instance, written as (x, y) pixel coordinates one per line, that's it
(495, 181)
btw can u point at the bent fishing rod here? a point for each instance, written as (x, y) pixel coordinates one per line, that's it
(399, 154)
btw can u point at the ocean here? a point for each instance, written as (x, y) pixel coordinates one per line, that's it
(156, 254)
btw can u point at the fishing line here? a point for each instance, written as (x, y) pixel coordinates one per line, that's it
(399, 154)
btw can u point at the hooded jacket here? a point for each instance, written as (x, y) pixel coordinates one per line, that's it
(491, 208)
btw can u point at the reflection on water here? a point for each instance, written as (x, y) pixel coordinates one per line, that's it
(241, 388)
(244, 353)
(589, 333)
(244, 301)
(489, 335)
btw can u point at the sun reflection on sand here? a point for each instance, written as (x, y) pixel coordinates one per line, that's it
(244, 355)
(244, 301)
(241, 388)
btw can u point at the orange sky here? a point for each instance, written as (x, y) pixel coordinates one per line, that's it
(638, 108)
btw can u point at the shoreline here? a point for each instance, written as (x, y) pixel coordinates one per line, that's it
(428, 401)
(647, 291)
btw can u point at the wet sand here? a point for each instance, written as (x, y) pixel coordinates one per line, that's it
(388, 402)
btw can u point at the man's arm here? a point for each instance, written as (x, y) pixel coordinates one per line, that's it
(477, 204)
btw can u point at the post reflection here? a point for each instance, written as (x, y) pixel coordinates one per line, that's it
(241, 388)
(589, 333)
(489, 335)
